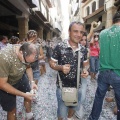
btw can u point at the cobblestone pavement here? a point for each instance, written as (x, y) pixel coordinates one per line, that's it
(45, 106)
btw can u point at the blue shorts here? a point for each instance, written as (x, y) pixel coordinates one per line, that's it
(94, 64)
(62, 111)
(36, 74)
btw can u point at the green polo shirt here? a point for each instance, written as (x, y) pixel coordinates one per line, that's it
(110, 49)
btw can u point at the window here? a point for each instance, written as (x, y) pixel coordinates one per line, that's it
(88, 10)
(100, 18)
(93, 6)
(43, 10)
(101, 3)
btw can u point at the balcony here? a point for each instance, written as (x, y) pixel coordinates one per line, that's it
(98, 11)
(57, 26)
(83, 1)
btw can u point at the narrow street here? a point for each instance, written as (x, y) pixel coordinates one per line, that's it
(45, 107)
(95, 24)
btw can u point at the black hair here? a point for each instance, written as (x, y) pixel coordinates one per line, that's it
(3, 37)
(85, 34)
(31, 34)
(75, 22)
(95, 36)
(14, 40)
(116, 17)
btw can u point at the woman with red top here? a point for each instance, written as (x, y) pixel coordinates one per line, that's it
(94, 55)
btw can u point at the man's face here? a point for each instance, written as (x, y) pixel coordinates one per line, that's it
(29, 59)
(76, 33)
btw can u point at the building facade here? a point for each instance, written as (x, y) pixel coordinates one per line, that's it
(18, 16)
(74, 10)
(97, 10)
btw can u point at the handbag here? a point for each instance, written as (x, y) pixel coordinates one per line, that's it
(70, 94)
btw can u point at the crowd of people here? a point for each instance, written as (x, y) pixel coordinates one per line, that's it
(95, 54)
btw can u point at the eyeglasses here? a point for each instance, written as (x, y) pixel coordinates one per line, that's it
(28, 63)
(25, 62)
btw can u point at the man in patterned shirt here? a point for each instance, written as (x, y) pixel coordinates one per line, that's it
(65, 61)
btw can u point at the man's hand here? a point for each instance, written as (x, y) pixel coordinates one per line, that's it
(66, 68)
(29, 96)
(33, 85)
(84, 73)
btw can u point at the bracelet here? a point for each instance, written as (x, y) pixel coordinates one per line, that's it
(85, 68)
(32, 81)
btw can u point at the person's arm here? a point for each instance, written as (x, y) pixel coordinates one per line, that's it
(41, 56)
(55, 66)
(30, 77)
(64, 68)
(54, 59)
(89, 36)
(91, 33)
(85, 59)
(85, 73)
(88, 54)
(92, 41)
(29, 73)
(5, 86)
(85, 63)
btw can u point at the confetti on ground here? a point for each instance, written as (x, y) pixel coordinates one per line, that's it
(45, 105)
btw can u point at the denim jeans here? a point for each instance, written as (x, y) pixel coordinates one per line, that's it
(36, 74)
(62, 110)
(105, 79)
(83, 88)
(94, 64)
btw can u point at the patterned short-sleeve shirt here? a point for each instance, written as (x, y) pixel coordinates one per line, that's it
(64, 54)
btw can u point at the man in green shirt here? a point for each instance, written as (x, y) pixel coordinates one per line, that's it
(109, 67)
(14, 60)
